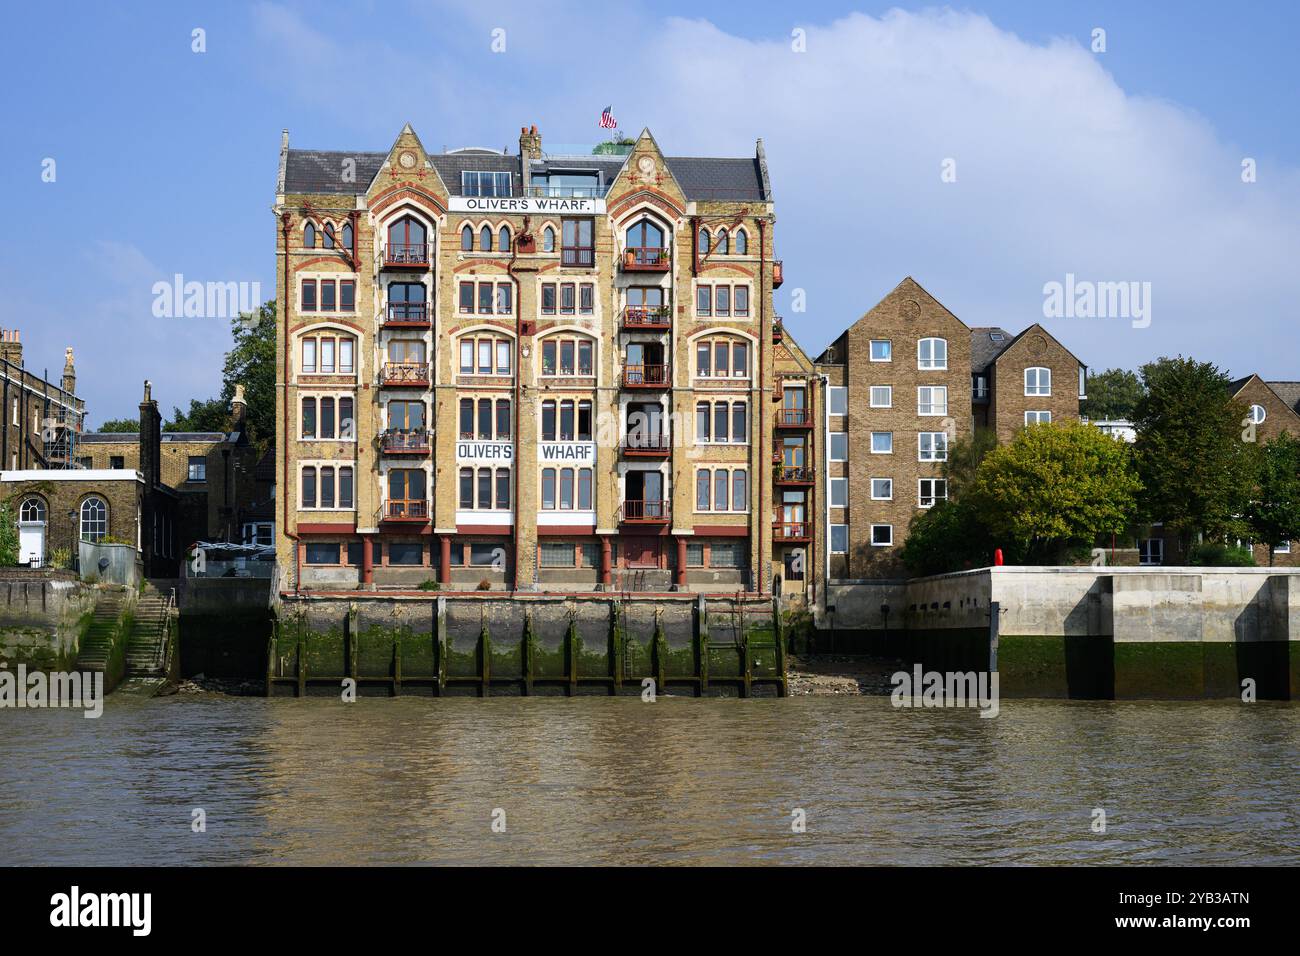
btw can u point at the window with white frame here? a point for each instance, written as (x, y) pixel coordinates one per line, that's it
(474, 182)
(485, 489)
(882, 489)
(485, 355)
(882, 396)
(568, 356)
(487, 419)
(1283, 548)
(839, 539)
(932, 400)
(722, 423)
(566, 420)
(1151, 551)
(721, 489)
(932, 446)
(723, 301)
(328, 353)
(837, 400)
(326, 487)
(1038, 381)
(882, 350)
(882, 443)
(839, 492)
(566, 489)
(882, 535)
(930, 490)
(327, 417)
(1037, 418)
(722, 357)
(486, 298)
(932, 354)
(94, 518)
(839, 446)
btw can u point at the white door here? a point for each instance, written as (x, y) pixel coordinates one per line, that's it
(31, 542)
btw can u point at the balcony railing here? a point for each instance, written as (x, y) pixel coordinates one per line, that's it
(794, 418)
(644, 510)
(407, 315)
(645, 376)
(637, 317)
(793, 475)
(406, 441)
(636, 444)
(417, 510)
(404, 373)
(778, 273)
(567, 192)
(580, 258)
(792, 530)
(646, 259)
(778, 328)
(405, 255)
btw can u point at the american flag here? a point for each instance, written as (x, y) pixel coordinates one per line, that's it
(607, 120)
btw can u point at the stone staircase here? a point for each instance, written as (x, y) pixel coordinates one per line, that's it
(97, 644)
(146, 646)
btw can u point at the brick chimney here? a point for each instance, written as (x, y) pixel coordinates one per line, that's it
(69, 372)
(11, 346)
(150, 439)
(530, 148)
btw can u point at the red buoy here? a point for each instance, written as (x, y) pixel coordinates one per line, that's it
(997, 557)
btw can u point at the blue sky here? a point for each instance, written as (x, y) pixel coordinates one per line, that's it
(1115, 166)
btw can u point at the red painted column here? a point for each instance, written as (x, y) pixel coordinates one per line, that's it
(606, 575)
(681, 561)
(367, 560)
(444, 562)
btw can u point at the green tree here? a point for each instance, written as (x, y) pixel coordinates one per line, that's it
(120, 425)
(1274, 510)
(964, 457)
(1054, 487)
(1113, 393)
(206, 416)
(947, 537)
(8, 535)
(1194, 455)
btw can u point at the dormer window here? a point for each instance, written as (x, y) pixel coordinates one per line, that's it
(483, 183)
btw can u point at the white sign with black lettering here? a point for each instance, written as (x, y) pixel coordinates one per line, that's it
(485, 452)
(566, 452)
(528, 205)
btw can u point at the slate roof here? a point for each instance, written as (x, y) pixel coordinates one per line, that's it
(112, 438)
(1289, 392)
(316, 172)
(984, 350)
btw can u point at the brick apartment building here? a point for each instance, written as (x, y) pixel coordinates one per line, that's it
(542, 370)
(41, 420)
(902, 383)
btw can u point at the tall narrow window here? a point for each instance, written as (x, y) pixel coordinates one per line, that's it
(309, 236)
(485, 239)
(467, 239)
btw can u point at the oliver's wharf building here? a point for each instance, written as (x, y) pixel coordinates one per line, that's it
(535, 371)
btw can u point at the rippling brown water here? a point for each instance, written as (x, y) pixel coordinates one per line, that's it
(620, 781)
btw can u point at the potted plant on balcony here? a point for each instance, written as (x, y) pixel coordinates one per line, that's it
(629, 258)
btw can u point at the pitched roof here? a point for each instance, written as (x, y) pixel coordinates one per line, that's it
(317, 172)
(985, 348)
(1289, 392)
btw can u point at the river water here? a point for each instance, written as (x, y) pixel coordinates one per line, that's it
(679, 781)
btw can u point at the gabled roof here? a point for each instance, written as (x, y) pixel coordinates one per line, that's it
(317, 172)
(986, 344)
(1289, 392)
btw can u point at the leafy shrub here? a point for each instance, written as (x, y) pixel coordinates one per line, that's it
(429, 585)
(1217, 554)
(485, 585)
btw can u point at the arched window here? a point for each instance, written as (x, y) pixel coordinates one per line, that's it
(932, 354)
(548, 240)
(94, 519)
(742, 242)
(309, 236)
(503, 240)
(329, 236)
(32, 509)
(467, 239)
(645, 235)
(406, 239)
(724, 244)
(1038, 381)
(704, 241)
(485, 239)
(347, 235)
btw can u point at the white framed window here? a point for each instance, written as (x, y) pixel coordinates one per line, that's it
(1257, 414)
(837, 400)
(94, 518)
(932, 446)
(1038, 381)
(839, 539)
(882, 489)
(932, 354)
(882, 396)
(930, 490)
(839, 446)
(839, 492)
(932, 400)
(1083, 381)
(1151, 551)
(882, 350)
(882, 443)
(1037, 418)
(1283, 548)
(882, 535)
(721, 489)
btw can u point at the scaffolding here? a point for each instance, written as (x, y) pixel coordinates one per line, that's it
(61, 437)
